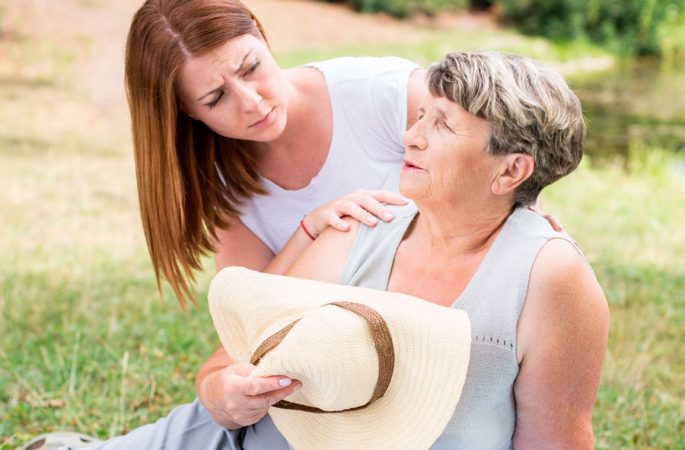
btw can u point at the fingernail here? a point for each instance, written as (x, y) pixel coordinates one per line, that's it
(344, 226)
(387, 215)
(283, 382)
(372, 220)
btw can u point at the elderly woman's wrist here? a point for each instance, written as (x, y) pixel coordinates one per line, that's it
(214, 402)
(205, 387)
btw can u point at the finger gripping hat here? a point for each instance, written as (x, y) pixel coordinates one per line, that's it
(379, 370)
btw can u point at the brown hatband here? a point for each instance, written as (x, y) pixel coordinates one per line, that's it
(382, 340)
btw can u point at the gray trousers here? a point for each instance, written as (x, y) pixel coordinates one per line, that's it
(191, 427)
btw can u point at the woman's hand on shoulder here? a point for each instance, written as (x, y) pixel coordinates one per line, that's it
(236, 399)
(366, 206)
(553, 220)
(561, 341)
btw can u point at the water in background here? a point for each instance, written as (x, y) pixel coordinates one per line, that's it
(637, 107)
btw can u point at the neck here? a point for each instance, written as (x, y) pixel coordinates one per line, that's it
(464, 230)
(294, 158)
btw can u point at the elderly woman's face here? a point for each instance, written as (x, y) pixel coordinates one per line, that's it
(237, 90)
(445, 159)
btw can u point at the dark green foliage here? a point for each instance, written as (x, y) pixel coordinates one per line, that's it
(632, 27)
(405, 8)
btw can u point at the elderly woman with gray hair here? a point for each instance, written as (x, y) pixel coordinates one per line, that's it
(493, 131)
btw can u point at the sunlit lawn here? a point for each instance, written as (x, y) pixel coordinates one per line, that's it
(88, 345)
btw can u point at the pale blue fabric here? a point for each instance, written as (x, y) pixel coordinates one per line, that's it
(485, 416)
(190, 427)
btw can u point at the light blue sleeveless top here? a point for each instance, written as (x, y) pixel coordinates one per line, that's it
(485, 416)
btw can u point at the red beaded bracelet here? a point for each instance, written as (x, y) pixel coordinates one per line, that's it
(305, 230)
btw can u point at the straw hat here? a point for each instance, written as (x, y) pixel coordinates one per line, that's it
(379, 370)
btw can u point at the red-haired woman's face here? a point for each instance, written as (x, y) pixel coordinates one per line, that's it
(237, 90)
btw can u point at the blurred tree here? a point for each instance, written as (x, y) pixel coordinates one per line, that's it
(481, 5)
(629, 27)
(632, 27)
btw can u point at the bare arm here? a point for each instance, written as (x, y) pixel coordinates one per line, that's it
(238, 246)
(562, 337)
(325, 258)
(221, 383)
(225, 387)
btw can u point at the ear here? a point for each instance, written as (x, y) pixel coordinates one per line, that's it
(513, 170)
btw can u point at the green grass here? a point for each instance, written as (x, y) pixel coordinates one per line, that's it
(88, 345)
(427, 46)
(629, 227)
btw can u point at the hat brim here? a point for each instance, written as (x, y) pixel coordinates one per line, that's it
(431, 342)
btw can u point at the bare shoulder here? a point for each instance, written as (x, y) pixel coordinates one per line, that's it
(562, 289)
(561, 273)
(310, 83)
(325, 258)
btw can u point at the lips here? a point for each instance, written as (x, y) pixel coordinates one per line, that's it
(411, 165)
(264, 119)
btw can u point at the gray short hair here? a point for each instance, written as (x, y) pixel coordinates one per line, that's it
(530, 110)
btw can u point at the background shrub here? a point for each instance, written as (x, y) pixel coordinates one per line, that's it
(628, 27)
(631, 27)
(404, 8)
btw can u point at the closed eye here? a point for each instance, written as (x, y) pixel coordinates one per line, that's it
(250, 70)
(214, 102)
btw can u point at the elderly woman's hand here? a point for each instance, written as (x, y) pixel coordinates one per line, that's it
(366, 206)
(235, 399)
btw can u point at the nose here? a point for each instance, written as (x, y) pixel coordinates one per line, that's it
(414, 138)
(249, 97)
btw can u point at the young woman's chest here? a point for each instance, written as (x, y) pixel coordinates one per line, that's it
(298, 156)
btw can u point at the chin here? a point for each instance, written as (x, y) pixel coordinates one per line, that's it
(409, 188)
(274, 131)
(269, 135)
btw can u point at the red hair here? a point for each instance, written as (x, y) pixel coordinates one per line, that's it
(189, 178)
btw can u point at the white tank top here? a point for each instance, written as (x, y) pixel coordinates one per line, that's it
(369, 103)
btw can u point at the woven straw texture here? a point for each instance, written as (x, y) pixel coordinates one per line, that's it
(331, 351)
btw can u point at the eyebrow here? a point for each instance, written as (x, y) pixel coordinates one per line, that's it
(441, 113)
(237, 71)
